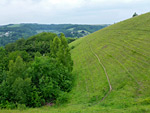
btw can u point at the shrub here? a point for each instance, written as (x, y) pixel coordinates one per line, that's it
(21, 106)
(10, 105)
(63, 98)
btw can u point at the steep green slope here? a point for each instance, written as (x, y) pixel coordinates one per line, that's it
(120, 54)
(124, 53)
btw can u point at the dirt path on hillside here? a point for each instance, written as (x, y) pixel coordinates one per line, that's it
(110, 87)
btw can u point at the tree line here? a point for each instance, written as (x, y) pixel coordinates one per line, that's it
(15, 31)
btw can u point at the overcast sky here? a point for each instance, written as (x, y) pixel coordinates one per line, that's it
(70, 11)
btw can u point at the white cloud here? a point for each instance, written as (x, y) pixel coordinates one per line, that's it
(67, 11)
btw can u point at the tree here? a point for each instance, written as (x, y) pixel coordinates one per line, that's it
(135, 14)
(64, 55)
(3, 63)
(16, 69)
(50, 78)
(23, 54)
(61, 52)
(55, 45)
(20, 43)
(17, 86)
(21, 89)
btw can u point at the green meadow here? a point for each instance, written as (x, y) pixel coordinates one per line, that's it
(119, 54)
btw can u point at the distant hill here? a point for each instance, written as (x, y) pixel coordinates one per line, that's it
(12, 32)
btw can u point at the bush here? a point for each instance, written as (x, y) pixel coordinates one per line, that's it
(10, 105)
(72, 47)
(63, 98)
(33, 81)
(21, 106)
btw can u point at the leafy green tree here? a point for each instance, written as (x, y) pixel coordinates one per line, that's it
(60, 50)
(39, 43)
(55, 45)
(3, 63)
(71, 39)
(35, 98)
(16, 69)
(4, 94)
(50, 78)
(37, 54)
(10, 47)
(64, 55)
(19, 44)
(23, 54)
(17, 86)
(21, 89)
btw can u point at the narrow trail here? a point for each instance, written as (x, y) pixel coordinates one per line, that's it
(110, 87)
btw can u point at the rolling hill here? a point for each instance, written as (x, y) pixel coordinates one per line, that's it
(112, 68)
(12, 32)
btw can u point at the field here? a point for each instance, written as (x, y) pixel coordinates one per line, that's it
(14, 25)
(117, 56)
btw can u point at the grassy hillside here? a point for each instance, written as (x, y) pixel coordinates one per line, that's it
(119, 54)
(124, 53)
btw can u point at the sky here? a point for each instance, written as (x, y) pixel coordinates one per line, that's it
(70, 11)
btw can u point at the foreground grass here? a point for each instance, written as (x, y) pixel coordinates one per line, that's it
(82, 109)
(124, 50)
